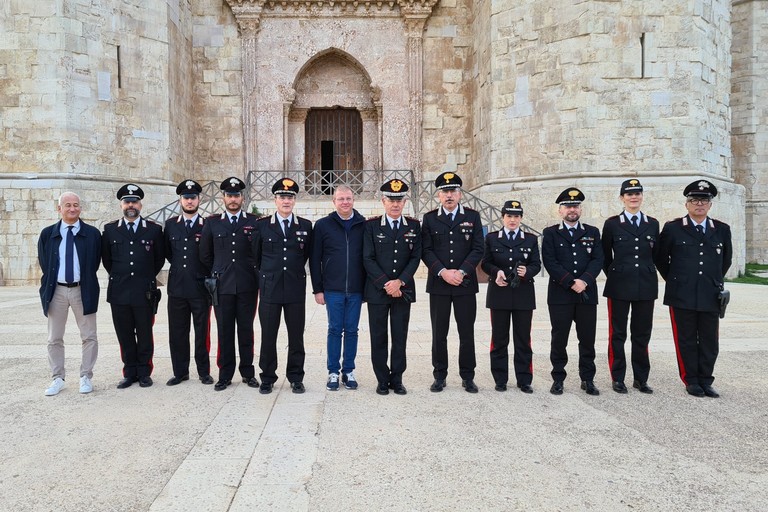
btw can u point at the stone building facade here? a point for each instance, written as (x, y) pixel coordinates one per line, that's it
(521, 97)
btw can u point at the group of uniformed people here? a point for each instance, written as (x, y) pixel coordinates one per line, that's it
(234, 260)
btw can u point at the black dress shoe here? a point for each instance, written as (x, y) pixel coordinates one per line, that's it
(500, 387)
(643, 387)
(694, 390)
(469, 386)
(399, 389)
(206, 379)
(265, 388)
(557, 388)
(589, 387)
(222, 385)
(619, 387)
(297, 387)
(145, 382)
(126, 382)
(437, 386)
(252, 382)
(710, 391)
(173, 381)
(525, 388)
(382, 388)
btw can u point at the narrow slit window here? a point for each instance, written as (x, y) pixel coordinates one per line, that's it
(119, 77)
(642, 55)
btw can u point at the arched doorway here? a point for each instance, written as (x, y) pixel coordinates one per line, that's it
(333, 142)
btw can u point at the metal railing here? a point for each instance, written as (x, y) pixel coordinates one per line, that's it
(320, 184)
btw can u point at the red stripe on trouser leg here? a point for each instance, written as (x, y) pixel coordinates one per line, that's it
(208, 333)
(491, 331)
(610, 337)
(152, 335)
(680, 365)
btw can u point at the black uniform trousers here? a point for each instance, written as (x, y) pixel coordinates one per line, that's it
(464, 311)
(641, 325)
(180, 311)
(241, 309)
(269, 318)
(399, 313)
(696, 335)
(521, 339)
(561, 316)
(133, 326)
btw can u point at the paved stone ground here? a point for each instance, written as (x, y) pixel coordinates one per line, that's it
(192, 449)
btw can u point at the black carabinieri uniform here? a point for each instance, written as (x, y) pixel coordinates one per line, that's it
(187, 297)
(507, 303)
(226, 250)
(388, 256)
(454, 245)
(566, 259)
(694, 266)
(133, 261)
(280, 263)
(631, 282)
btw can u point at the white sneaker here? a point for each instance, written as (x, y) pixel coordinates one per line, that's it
(56, 386)
(85, 385)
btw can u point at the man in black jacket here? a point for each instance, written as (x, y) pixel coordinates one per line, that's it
(133, 254)
(695, 253)
(281, 245)
(452, 247)
(187, 297)
(630, 244)
(511, 261)
(69, 254)
(391, 255)
(338, 278)
(225, 251)
(573, 256)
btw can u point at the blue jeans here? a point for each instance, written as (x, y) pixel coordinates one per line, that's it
(343, 316)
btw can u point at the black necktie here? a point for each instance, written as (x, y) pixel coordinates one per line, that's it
(130, 227)
(69, 258)
(394, 227)
(572, 231)
(634, 222)
(234, 220)
(511, 236)
(189, 225)
(700, 229)
(450, 218)
(285, 227)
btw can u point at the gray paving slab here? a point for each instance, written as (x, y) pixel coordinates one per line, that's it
(190, 448)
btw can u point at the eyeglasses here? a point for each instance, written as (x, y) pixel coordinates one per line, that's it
(699, 201)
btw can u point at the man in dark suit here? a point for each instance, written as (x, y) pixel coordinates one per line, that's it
(133, 254)
(630, 244)
(695, 253)
(69, 254)
(452, 247)
(391, 255)
(225, 251)
(511, 260)
(281, 244)
(187, 297)
(573, 256)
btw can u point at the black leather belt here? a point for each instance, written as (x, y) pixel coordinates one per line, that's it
(68, 285)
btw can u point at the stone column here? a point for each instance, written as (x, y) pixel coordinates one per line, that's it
(415, 14)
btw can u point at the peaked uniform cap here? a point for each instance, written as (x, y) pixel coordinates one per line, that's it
(512, 208)
(285, 187)
(570, 196)
(447, 180)
(700, 188)
(130, 191)
(631, 186)
(188, 187)
(394, 188)
(232, 185)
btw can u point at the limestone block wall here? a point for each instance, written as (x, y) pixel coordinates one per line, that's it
(216, 78)
(449, 77)
(749, 138)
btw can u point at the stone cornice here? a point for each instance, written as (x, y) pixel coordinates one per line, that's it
(249, 12)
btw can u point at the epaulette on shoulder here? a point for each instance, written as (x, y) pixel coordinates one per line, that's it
(432, 211)
(213, 216)
(375, 217)
(408, 217)
(150, 221)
